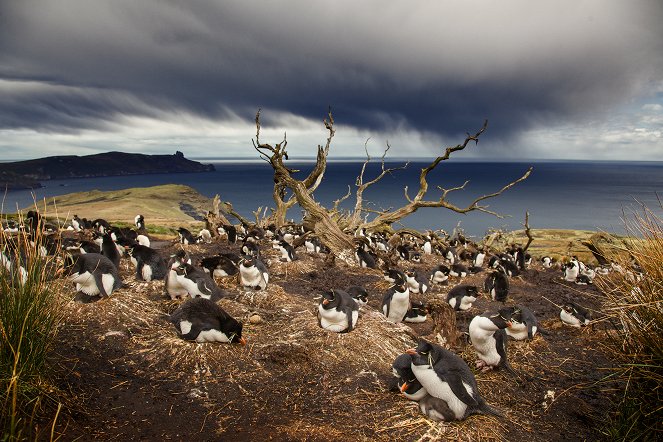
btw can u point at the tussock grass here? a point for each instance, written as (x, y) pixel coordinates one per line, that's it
(635, 306)
(30, 312)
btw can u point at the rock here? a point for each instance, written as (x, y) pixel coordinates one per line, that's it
(255, 319)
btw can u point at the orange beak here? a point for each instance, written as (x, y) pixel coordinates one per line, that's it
(508, 324)
(242, 341)
(411, 351)
(325, 301)
(404, 387)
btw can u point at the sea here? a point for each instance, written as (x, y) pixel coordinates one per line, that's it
(584, 195)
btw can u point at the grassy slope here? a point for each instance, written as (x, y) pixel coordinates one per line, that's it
(158, 204)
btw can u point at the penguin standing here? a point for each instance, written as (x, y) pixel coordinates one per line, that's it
(198, 283)
(407, 381)
(359, 294)
(95, 276)
(139, 221)
(462, 296)
(185, 236)
(489, 339)
(446, 376)
(396, 303)
(253, 273)
(173, 287)
(337, 311)
(524, 324)
(229, 231)
(202, 320)
(109, 250)
(571, 270)
(395, 276)
(497, 284)
(547, 262)
(149, 263)
(575, 315)
(287, 251)
(365, 258)
(204, 236)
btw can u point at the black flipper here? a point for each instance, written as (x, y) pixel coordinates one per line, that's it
(456, 384)
(500, 338)
(196, 328)
(100, 285)
(348, 313)
(203, 287)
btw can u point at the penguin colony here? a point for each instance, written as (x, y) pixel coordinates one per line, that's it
(441, 382)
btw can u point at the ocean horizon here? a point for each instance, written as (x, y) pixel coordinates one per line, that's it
(580, 195)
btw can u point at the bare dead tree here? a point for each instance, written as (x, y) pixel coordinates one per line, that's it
(528, 232)
(311, 182)
(328, 224)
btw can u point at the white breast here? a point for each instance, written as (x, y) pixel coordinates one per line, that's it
(399, 305)
(519, 331)
(569, 319)
(440, 389)
(482, 331)
(466, 302)
(146, 271)
(173, 286)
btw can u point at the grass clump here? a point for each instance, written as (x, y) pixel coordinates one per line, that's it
(635, 306)
(30, 313)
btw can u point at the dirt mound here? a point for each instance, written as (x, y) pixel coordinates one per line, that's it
(133, 377)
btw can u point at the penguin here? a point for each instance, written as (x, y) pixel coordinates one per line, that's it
(250, 248)
(575, 315)
(197, 283)
(415, 256)
(436, 409)
(313, 245)
(462, 296)
(109, 250)
(185, 236)
(173, 287)
(396, 303)
(446, 376)
(101, 225)
(95, 276)
(497, 284)
(143, 240)
(150, 265)
(202, 320)
(219, 266)
(488, 338)
(415, 283)
(337, 311)
(139, 222)
(508, 267)
(547, 262)
(359, 294)
(524, 324)
(458, 270)
(583, 280)
(13, 258)
(76, 223)
(417, 312)
(440, 274)
(571, 270)
(479, 258)
(229, 231)
(204, 236)
(364, 258)
(395, 276)
(287, 251)
(89, 247)
(253, 273)
(34, 221)
(427, 248)
(520, 258)
(403, 251)
(408, 384)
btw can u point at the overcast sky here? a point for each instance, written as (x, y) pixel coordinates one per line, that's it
(556, 79)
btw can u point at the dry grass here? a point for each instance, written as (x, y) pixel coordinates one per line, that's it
(635, 305)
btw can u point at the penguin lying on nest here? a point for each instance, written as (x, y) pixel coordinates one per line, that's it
(337, 311)
(95, 276)
(202, 320)
(446, 377)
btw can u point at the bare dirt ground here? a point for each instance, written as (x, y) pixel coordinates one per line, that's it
(129, 376)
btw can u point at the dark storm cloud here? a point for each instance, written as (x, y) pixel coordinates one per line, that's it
(436, 67)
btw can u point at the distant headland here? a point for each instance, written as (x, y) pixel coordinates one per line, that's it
(28, 174)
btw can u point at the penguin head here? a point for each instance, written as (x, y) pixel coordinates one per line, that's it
(424, 354)
(419, 307)
(395, 276)
(401, 368)
(248, 260)
(472, 290)
(329, 299)
(184, 269)
(235, 334)
(502, 319)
